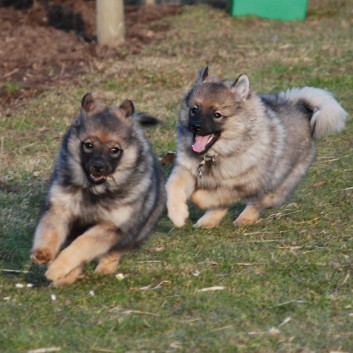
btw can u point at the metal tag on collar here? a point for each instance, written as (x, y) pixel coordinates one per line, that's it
(203, 162)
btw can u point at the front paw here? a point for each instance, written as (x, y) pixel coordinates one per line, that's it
(68, 279)
(178, 214)
(58, 269)
(108, 264)
(42, 256)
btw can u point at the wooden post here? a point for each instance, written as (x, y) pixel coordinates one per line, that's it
(110, 22)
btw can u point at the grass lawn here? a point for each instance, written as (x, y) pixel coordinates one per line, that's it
(286, 283)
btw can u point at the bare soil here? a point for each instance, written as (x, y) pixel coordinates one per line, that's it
(47, 43)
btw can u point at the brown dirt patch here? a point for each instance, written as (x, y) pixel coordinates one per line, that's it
(35, 55)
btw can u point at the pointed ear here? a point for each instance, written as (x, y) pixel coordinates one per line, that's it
(87, 103)
(241, 86)
(203, 73)
(127, 108)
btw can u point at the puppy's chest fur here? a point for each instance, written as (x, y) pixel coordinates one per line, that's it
(237, 175)
(209, 174)
(89, 208)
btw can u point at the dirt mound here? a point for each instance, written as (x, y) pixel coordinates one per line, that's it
(46, 43)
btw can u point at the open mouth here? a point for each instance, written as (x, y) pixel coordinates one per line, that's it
(203, 143)
(97, 179)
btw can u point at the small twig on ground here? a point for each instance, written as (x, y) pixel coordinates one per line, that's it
(291, 301)
(260, 240)
(309, 221)
(262, 232)
(285, 321)
(26, 146)
(150, 261)
(346, 279)
(211, 289)
(222, 328)
(281, 214)
(13, 271)
(9, 73)
(45, 350)
(246, 264)
(138, 312)
(291, 247)
(2, 147)
(158, 286)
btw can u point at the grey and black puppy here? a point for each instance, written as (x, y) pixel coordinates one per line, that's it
(107, 190)
(234, 145)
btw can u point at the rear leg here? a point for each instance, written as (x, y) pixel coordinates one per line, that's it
(278, 196)
(249, 215)
(211, 218)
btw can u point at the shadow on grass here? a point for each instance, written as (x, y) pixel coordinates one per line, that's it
(20, 205)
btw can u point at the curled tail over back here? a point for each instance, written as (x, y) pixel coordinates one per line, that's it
(328, 115)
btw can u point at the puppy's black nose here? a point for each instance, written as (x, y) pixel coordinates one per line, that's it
(98, 166)
(195, 128)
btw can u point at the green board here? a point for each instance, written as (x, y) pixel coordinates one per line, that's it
(286, 10)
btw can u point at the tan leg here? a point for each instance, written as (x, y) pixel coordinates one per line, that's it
(68, 279)
(211, 218)
(250, 215)
(179, 188)
(108, 263)
(217, 198)
(204, 199)
(51, 232)
(93, 243)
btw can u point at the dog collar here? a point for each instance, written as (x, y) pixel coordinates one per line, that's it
(204, 160)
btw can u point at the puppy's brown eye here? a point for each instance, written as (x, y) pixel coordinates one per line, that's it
(194, 110)
(115, 151)
(217, 115)
(88, 146)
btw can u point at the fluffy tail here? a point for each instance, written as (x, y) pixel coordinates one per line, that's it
(328, 115)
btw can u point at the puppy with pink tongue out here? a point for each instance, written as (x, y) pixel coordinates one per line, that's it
(202, 143)
(234, 145)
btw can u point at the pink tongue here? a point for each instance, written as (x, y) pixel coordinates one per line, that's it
(200, 143)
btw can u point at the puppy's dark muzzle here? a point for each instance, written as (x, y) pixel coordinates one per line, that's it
(98, 170)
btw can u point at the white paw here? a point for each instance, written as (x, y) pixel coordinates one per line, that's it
(178, 214)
